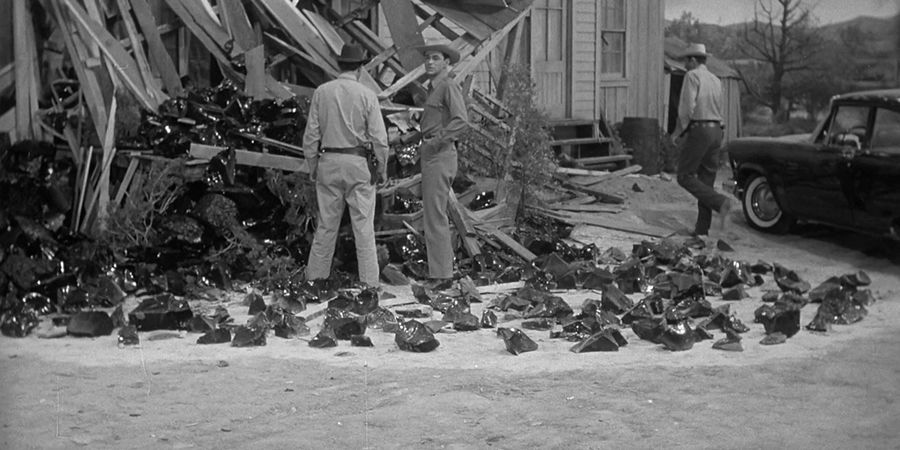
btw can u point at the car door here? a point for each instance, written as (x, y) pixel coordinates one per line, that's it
(876, 175)
(819, 179)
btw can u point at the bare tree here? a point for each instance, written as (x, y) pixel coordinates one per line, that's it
(783, 38)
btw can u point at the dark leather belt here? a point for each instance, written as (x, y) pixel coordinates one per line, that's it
(358, 151)
(705, 123)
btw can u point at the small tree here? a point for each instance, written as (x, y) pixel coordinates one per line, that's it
(784, 39)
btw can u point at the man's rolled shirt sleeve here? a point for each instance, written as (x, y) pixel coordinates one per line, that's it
(458, 117)
(688, 101)
(376, 131)
(312, 135)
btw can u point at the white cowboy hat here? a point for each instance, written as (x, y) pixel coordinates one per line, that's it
(448, 51)
(695, 50)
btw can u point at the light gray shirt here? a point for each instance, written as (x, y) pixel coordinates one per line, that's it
(701, 98)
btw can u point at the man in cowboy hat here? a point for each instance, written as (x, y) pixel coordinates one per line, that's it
(443, 120)
(700, 124)
(344, 122)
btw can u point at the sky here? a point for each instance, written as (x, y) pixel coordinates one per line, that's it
(726, 12)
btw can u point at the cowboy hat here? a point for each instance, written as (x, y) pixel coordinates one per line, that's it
(448, 51)
(695, 50)
(352, 54)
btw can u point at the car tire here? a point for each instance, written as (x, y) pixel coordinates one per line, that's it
(761, 208)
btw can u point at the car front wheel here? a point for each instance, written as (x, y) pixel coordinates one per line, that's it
(761, 208)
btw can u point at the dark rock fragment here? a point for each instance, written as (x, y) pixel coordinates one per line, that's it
(599, 342)
(615, 300)
(466, 322)
(773, 339)
(649, 329)
(324, 339)
(516, 341)
(90, 324)
(537, 325)
(770, 296)
(730, 343)
(857, 279)
(290, 326)
(256, 302)
(359, 340)
(217, 336)
(488, 319)
(118, 317)
(161, 312)
(597, 279)
(863, 297)
(394, 275)
(735, 293)
(677, 337)
(413, 336)
(249, 337)
(818, 293)
(128, 336)
(761, 267)
(788, 280)
(723, 246)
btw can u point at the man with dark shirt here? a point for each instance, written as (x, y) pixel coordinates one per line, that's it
(443, 120)
(344, 118)
(700, 124)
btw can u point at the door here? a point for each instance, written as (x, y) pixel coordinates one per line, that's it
(549, 55)
(876, 176)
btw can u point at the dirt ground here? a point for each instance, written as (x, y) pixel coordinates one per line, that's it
(835, 390)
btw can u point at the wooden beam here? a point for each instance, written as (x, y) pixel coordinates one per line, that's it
(90, 86)
(25, 54)
(137, 49)
(120, 61)
(401, 20)
(255, 83)
(160, 58)
(463, 226)
(464, 68)
(255, 159)
(209, 43)
(508, 242)
(298, 27)
(238, 24)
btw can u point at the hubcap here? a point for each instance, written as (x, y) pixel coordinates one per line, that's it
(763, 203)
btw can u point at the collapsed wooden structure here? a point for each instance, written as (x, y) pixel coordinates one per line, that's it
(116, 46)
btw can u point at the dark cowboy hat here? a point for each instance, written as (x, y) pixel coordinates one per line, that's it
(448, 51)
(351, 53)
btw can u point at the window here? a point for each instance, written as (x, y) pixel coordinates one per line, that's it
(848, 119)
(886, 132)
(612, 49)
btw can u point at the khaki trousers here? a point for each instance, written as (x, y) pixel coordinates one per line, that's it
(344, 179)
(439, 166)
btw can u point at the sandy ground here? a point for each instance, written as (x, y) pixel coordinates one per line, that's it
(834, 390)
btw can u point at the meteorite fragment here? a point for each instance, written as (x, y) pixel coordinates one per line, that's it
(516, 341)
(597, 279)
(599, 342)
(324, 339)
(857, 279)
(382, 319)
(649, 329)
(19, 321)
(773, 339)
(770, 296)
(413, 336)
(257, 304)
(359, 340)
(483, 200)
(488, 319)
(217, 336)
(249, 337)
(466, 322)
(161, 312)
(550, 306)
(735, 293)
(90, 324)
(615, 300)
(128, 336)
(539, 325)
(290, 326)
(730, 343)
(677, 337)
(788, 280)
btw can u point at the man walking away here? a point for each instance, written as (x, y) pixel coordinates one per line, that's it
(700, 123)
(343, 128)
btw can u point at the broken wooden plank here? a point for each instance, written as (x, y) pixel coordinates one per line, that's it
(120, 60)
(603, 159)
(137, 49)
(401, 21)
(25, 54)
(255, 82)
(463, 226)
(126, 181)
(601, 196)
(297, 151)
(501, 287)
(616, 174)
(160, 58)
(255, 159)
(238, 24)
(316, 310)
(508, 241)
(613, 223)
(485, 49)
(584, 208)
(327, 32)
(298, 27)
(583, 172)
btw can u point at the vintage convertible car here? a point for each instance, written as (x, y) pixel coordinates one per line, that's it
(845, 174)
